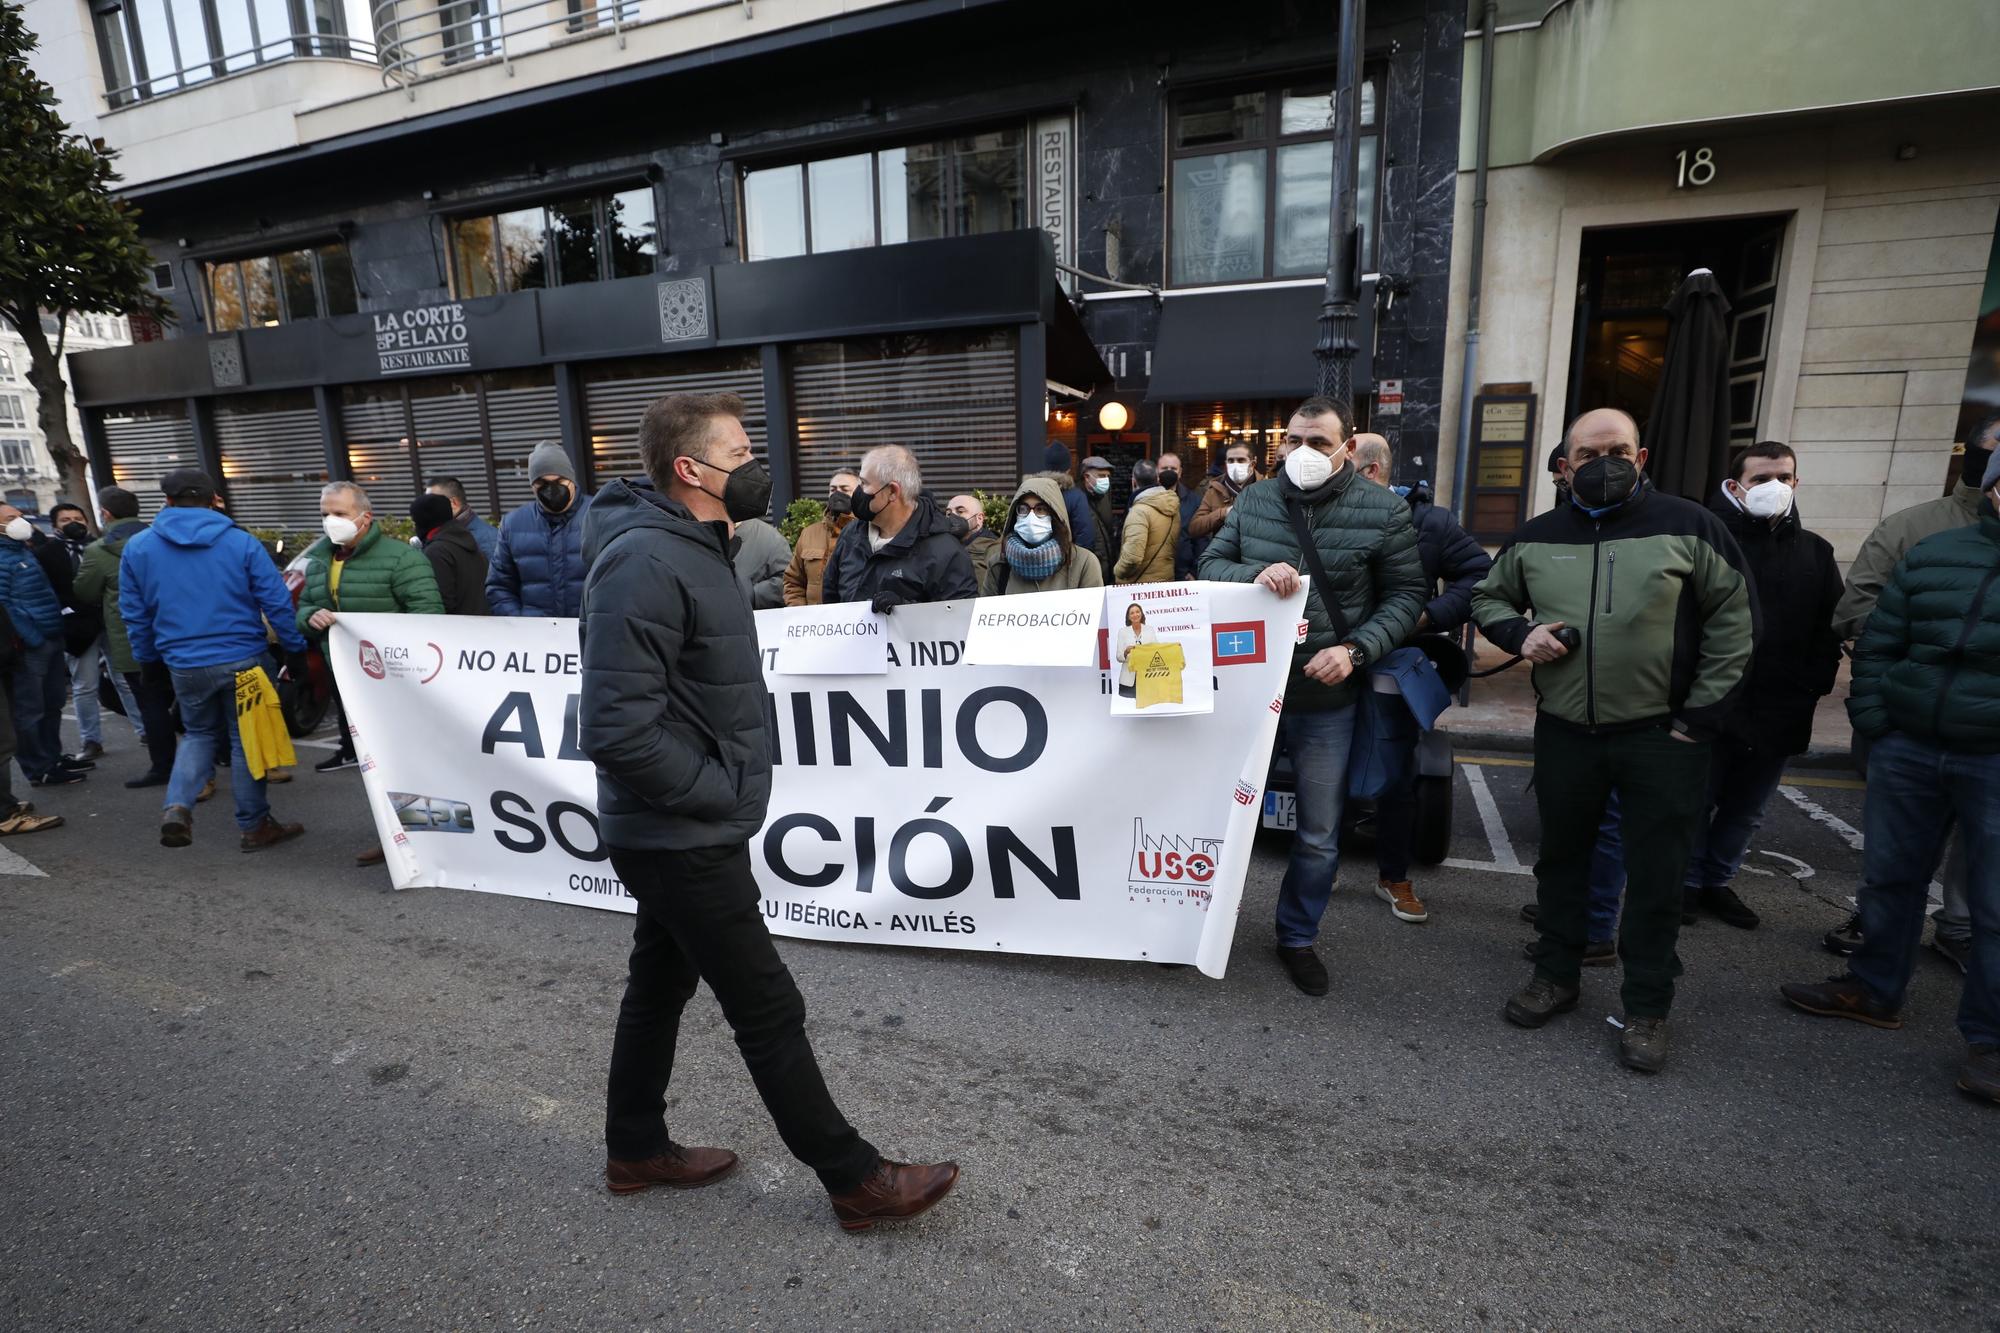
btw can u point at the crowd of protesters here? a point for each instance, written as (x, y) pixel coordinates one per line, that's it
(1679, 652)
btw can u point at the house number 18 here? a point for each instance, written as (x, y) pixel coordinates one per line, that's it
(1696, 170)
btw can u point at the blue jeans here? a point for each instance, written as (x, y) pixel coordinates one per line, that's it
(1739, 787)
(1318, 743)
(41, 683)
(84, 673)
(207, 696)
(1915, 791)
(1607, 874)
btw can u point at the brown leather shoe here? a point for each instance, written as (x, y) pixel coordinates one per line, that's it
(269, 834)
(894, 1192)
(374, 856)
(677, 1168)
(1842, 997)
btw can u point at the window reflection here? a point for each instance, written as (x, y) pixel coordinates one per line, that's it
(629, 224)
(774, 213)
(582, 239)
(521, 239)
(274, 289)
(1219, 218)
(151, 47)
(843, 212)
(573, 235)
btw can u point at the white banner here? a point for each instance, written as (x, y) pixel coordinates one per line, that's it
(995, 808)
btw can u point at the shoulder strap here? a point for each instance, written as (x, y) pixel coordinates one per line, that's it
(1295, 508)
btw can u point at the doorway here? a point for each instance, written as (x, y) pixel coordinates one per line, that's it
(1626, 276)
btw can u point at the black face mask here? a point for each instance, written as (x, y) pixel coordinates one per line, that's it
(747, 493)
(1170, 479)
(76, 532)
(867, 504)
(1973, 468)
(1603, 483)
(552, 495)
(959, 527)
(839, 503)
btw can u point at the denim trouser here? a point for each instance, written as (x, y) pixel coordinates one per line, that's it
(1318, 743)
(41, 683)
(208, 706)
(1915, 791)
(1739, 787)
(1607, 874)
(84, 673)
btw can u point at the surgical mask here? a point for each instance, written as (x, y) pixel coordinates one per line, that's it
(553, 495)
(1403, 491)
(1239, 472)
(1100, 485)
(1768, 499)
(20, 529)
(1170, 478)
(747, 493)
(1309, 469)
(839, 504)
(76, 532)
(1034, 529)
(340, 531)
(1603, 484)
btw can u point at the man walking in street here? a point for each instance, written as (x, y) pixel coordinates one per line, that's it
(83, 636)
(980, 541)
(1365, 590)
(537, 566)
(1797, 658)
(1926, 694)
(1656, 591)
(484, 535)
(40, 674)
(805, 576)
(97, 582)
(673, 714)
(196, 592)
(902, 551)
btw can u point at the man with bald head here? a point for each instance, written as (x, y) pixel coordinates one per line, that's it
(1638, 612)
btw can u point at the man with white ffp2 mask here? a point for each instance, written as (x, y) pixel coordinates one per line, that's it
(1797, 655)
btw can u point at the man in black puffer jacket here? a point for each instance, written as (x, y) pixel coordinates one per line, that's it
(1792, 669)
(672, 712)
(903, 550)
(1364, 539)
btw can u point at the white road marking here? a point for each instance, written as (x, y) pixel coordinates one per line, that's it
(1800, 870)
(1456, 864)
(345, 1053)
(1819, 814)
(13, 863)
(1504, 859)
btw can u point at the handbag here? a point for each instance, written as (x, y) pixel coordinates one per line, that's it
(1402, 695)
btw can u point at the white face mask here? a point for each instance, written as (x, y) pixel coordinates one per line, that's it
(1034, 529)
(1768, 499)
(1308, 468)
(340, 531)
(1239, 473)
(1100, 485)
(20, 529)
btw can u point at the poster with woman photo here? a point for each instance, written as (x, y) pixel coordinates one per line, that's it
(1159, 658)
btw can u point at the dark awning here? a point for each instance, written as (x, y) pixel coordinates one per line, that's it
(1221, 346)
(1073, 359)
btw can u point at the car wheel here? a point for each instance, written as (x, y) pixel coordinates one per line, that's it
(303, 711)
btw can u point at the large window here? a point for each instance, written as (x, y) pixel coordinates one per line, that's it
(11, 411)
(585, 239)
(6, 364)
(962, 186)
(277, 289)
(1253, 183)
(151, 47)
(17, 456)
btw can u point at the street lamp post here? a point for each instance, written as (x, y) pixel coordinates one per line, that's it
(1339, 312)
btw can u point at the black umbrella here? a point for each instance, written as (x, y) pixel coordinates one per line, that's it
(1687, 436)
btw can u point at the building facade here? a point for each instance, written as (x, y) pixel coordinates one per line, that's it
(418, 242)
(28, 474)
(1835, 165)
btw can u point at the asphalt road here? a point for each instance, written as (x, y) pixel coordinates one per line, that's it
(267, 1092)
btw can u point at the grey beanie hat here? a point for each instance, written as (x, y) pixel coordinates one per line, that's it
(1992, 473)
(549, 459)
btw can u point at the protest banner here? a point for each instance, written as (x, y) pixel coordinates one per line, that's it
(939, 804)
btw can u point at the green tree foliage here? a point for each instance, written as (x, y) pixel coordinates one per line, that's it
(66, 244)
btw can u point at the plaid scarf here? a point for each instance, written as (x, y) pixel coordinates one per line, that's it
(1034, 563)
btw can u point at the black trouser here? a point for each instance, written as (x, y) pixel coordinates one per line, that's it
(1662, 786)
(346, 736)
(155, 718)
(699, 921)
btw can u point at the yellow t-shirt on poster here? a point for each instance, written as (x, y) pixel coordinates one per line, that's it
(1158, 668)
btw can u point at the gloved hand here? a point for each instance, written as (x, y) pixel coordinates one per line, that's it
(298, 668)
(886, 600)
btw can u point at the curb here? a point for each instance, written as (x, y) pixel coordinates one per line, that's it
(1521, 742)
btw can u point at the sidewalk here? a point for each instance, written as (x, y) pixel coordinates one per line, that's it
(1501, 715)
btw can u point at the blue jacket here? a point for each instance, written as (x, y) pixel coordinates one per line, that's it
(25, 592)
(1450, 555)
(537, 566)
(195, 590)
(484, 534)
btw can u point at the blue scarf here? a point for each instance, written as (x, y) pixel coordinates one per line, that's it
(1034, 563)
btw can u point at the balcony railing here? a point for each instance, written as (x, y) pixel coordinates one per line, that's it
(423, 39)
(151, 48)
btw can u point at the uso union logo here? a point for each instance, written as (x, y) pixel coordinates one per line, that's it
(371, 661)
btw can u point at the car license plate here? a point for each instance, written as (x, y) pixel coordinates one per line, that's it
(1281, 810)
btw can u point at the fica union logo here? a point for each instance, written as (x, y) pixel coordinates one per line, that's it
(371, 661)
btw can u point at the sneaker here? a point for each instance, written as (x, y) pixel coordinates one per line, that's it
(269, 834)
(1538, 1002)
(1980, 1074)
(1596, 953)
(1723, 904)
(25, 820)
(1953, 950)
(1403, 902)
(93, 751)
(149, 779)
(336, 762)
(1843, 996)
(176, 826)
(1844, 938)
(58, 776)
(1643, 1046)
(1308, 973)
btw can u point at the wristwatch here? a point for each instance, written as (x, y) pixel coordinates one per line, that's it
(1355, 655)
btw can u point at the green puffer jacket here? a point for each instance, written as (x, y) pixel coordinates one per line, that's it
(1369, 548)
(1661, 595)
(383, 574)
(1889, 543)
(97, 584)
(1928, 663)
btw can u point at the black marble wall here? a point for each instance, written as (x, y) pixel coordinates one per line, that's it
(1118, 62)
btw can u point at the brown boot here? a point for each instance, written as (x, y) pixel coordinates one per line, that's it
(269, 834)
(374, 856)
(894, 1192)
(677, 1168)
